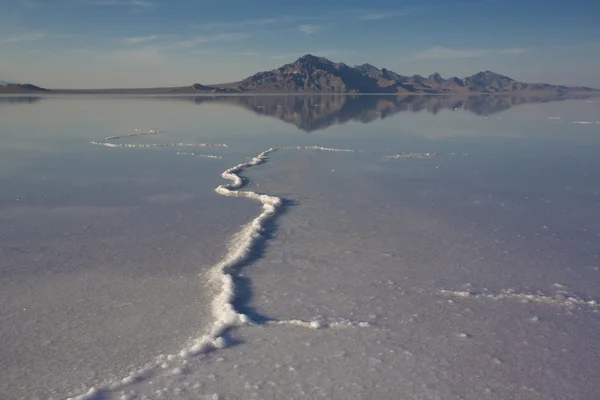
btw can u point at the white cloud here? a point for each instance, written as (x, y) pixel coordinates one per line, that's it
(26, 37)
(438, 52)
(376, 16)
(308, 29)
(144, 39)
(220, 37)
(134, 3)
(141, 39)
(248, 22)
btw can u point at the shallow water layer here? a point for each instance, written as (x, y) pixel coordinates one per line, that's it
(451, 252)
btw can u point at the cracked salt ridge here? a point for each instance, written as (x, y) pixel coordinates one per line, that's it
(150, 132)
(144, 146)
(560, 299)
(224, 313)
(410, 155)
(226, 317)
(199, 155)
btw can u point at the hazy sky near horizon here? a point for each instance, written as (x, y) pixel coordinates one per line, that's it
(143, 43)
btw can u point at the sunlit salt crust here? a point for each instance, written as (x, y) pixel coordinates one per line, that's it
(225, 316)
(410, 155)
(107, 140)
(137, 133)
(199, 155)
(145, 146)
(560, 299)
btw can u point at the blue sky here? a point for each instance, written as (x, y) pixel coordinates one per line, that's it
(142, 43)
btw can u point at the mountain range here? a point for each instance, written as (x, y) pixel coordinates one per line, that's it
(317, 74)
(312, 74)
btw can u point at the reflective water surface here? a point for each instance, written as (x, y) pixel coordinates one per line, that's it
(451, 253)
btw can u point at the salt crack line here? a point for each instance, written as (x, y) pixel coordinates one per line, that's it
(145, 146)
(320, 148)
(199, 155)
(320, 324)
(225, 315)
(150, 132)
(560, 299)
(410, 155)
(150, 145)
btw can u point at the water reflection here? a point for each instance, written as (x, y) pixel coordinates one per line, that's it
(18, 99)
(312, 113)
(317, 112)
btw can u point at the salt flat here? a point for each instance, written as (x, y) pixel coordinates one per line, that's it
(469, 273)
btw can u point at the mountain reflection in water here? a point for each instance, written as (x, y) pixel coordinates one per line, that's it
(312, 113)
(316, 112)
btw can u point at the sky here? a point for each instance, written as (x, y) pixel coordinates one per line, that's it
(154, 43)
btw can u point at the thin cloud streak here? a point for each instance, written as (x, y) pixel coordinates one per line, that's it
(249, 22)
(142, 39)
(440, 52)
(377, 16)
(221, 37)
(26, 37)
(130, 3)
(309, 29)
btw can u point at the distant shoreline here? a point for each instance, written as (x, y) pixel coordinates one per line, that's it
(165, 93)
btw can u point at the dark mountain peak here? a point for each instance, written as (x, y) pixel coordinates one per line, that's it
(416, 78)
(309, 58)
(313, 62)
(310, 73)
(367, 68)
(491, 82)
(199, 86)
(487, 74)
(435, 77)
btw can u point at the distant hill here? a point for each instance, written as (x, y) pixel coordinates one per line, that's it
(10, 87)
(318, 74)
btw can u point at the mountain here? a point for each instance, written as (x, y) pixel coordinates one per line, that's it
(9, 87)
(308, 74)
(317, 74)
